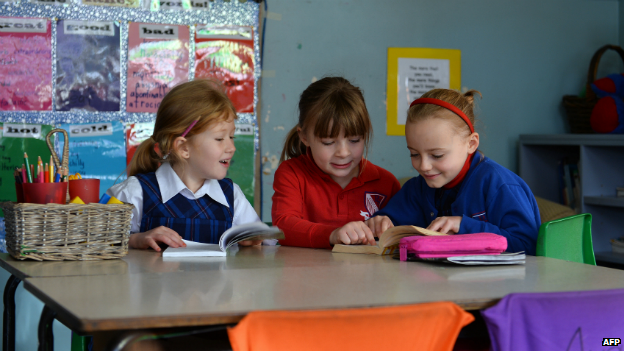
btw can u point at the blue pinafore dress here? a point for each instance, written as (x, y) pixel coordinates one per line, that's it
(202, 220)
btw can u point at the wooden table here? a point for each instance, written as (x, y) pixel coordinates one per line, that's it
(157, 293)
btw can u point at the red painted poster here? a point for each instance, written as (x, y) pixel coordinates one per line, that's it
(226, 54)
(25, 64)
(158, 60)
(136, 133)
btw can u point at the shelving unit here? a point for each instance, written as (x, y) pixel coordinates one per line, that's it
(601, 169)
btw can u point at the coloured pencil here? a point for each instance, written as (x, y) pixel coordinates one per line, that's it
(29, 170)
(24, 177)
(46, 174)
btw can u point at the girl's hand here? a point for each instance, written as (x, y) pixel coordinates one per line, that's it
(250, 242)
(152, 237)
(352, 233)
(446, 225)
(379, 224)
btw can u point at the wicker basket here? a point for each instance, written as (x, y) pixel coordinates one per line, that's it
(67, 232)
(579, 109)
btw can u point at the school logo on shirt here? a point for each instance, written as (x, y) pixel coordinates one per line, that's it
(479, 216)
(373, 202)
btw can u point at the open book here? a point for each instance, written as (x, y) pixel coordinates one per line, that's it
(234, 235)
(388, 241)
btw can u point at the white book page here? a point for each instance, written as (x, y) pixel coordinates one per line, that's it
(193, 249)
(231, 234)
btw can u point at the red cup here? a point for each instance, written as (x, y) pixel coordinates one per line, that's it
(19, 192)
(45, 193)
(87, 189)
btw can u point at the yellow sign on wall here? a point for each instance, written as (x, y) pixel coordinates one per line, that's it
(411, 73)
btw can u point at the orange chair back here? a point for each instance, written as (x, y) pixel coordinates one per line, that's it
(429, 326)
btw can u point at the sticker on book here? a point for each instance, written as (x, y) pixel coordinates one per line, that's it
(25, 64)
(87, 66)
(225, 53)
(157, 61)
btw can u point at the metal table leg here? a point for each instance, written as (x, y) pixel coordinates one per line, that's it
(46, 337)
(8, 319)
(119, 343)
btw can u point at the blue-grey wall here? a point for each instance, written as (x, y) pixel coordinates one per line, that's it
(522, 55)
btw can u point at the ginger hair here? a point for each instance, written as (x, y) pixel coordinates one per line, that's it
(200, 98)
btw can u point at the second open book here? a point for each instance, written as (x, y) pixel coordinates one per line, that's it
(388, 241)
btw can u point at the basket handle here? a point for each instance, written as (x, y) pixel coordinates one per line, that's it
(593, 67)
(57, 162)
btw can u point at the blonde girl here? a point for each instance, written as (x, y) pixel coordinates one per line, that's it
(458, 189)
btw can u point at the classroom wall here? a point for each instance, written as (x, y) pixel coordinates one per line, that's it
(522, 55)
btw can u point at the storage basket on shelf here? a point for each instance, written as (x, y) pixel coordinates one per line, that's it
(579, 109)
(66, 231)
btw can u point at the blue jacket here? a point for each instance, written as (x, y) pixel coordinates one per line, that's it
(490, 199)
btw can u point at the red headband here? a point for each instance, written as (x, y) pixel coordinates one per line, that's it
(447, 106)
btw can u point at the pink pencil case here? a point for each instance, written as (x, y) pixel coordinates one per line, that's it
(452, 245)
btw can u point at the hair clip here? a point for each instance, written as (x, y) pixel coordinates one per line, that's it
(184, 134)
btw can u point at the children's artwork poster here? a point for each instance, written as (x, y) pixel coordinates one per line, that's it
(413, 72)
(108, 64)
(226, 54)
(136, 133)
(15, 139)
(158, 60)
(97, 150)
(87, 65)
(241, 169)
(25, 64)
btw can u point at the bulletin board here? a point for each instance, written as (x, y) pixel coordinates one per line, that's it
(411, 73)
(99, 69)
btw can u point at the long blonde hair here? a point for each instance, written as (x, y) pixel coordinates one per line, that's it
(464, 102)
(329, 105)
(201, 98)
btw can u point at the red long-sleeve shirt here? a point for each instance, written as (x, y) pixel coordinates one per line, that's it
(308, 204)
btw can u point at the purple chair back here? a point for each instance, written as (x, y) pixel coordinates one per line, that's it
(569, 321)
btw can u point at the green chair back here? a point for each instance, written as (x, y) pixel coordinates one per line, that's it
(567, 239)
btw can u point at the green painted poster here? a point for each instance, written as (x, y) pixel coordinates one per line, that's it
(242, 168)
(15, 139)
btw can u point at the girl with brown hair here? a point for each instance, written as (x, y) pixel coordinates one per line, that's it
(324, 187)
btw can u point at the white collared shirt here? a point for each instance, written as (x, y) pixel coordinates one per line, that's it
(170, 185)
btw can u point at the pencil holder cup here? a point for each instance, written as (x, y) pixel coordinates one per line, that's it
(87, 189)
(19, 192)
(45, 193)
